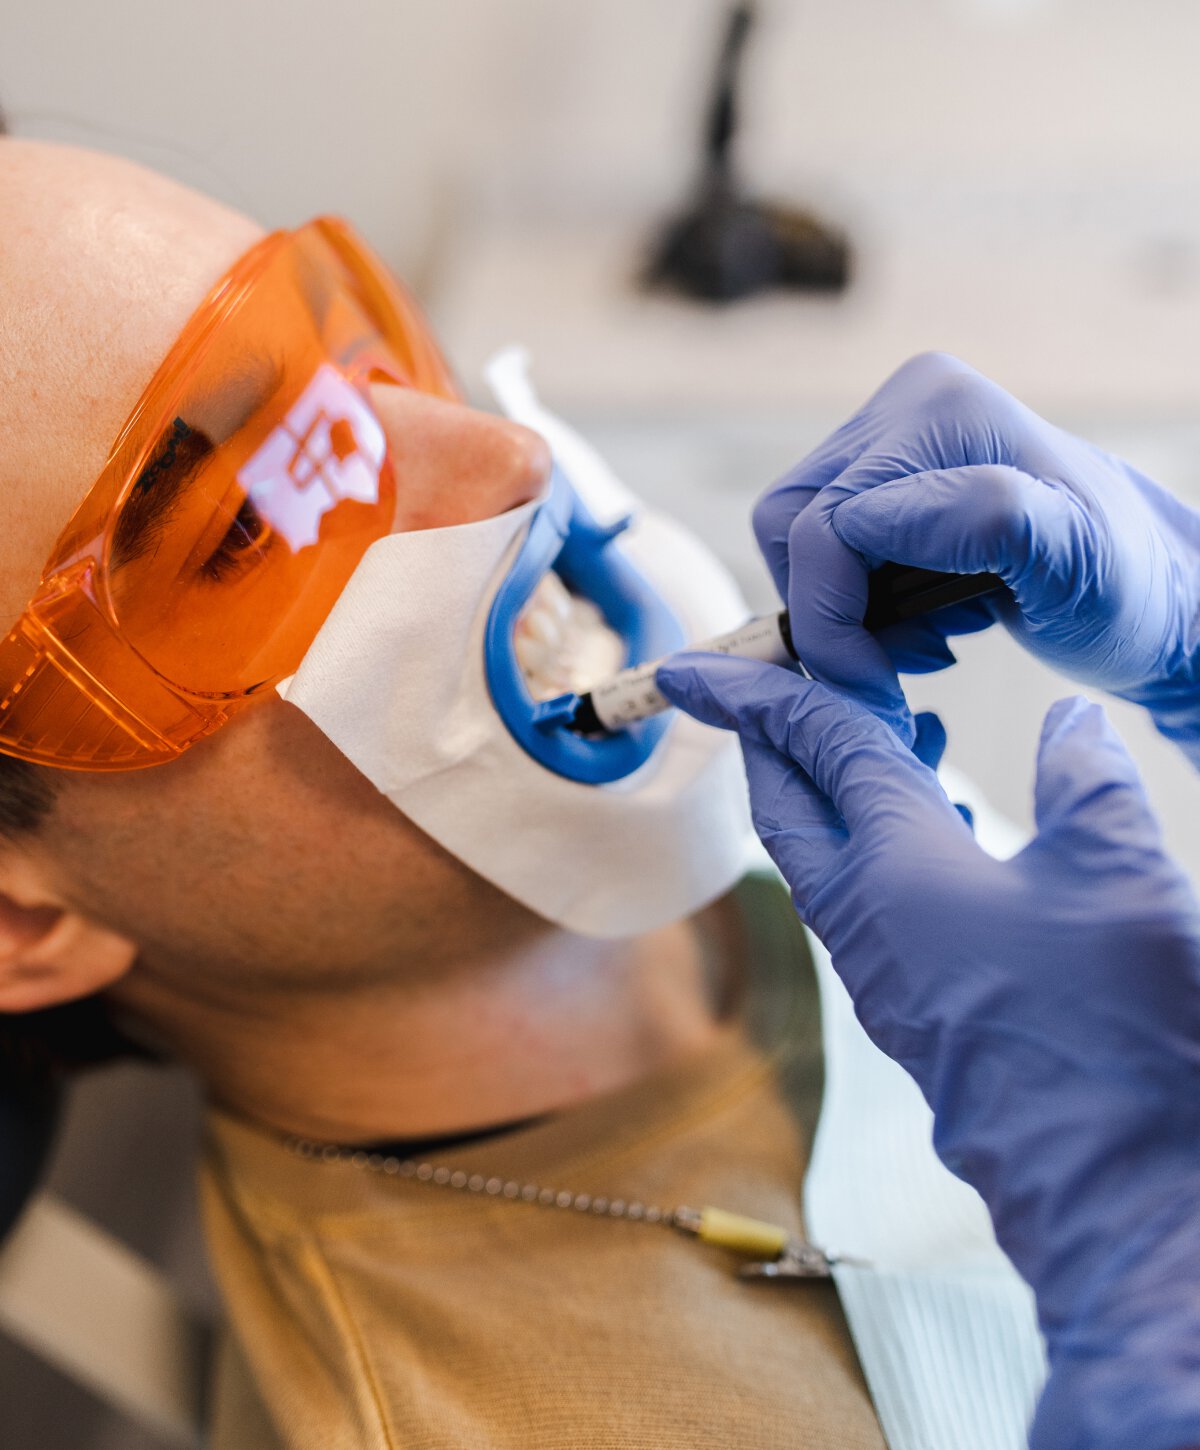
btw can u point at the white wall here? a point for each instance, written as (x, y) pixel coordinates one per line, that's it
(393, 109)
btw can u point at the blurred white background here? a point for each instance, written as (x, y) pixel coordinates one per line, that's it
(1021, 181)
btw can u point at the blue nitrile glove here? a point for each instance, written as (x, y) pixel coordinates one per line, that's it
(944, 470)
(1047, 1006)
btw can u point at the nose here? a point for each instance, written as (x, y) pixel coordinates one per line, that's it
(455, 464)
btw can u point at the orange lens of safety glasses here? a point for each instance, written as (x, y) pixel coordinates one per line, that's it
(242, 492)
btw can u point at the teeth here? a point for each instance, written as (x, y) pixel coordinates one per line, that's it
(563, 643)
(553, 593)
(587, 616)
(534, 655)
(545, 626)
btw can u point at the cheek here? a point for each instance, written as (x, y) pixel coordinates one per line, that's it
(263, 844)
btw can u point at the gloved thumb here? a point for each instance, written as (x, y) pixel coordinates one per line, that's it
(849, 754)
(827, 598)
(1088, 793)
(718, 690)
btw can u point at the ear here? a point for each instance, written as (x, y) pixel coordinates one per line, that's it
(48, 952)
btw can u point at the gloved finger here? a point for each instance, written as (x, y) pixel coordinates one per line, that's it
(691, 680)
(919, 646)
(1088, 794)
(898, 427)
(973, 520)
(802, 832)
(777, 508)
(852, 757)
(929, 747)
(827, 598)
(930, 743)
(905, 394)
(783, 798)
(916, 648)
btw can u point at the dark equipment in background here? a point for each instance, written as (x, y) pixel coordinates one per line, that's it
(724, 246)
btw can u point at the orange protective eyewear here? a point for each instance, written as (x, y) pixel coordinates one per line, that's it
(246, 485)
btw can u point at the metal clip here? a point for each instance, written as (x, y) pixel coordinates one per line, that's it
(789, 1258)
(797, 1260)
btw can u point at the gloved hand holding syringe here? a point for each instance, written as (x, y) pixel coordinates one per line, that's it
(895, 593)
(1047, 1005)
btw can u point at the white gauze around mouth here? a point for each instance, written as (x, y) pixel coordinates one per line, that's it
(396, 678)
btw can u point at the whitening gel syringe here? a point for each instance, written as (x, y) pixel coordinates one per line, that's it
(895, 593)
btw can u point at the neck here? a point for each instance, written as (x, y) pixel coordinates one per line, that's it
(559, 1021)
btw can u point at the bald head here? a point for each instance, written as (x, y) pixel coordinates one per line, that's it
(101, 264)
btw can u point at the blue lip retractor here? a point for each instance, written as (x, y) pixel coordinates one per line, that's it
(565, 537)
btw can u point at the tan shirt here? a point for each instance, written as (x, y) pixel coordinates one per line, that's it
(371, 1311)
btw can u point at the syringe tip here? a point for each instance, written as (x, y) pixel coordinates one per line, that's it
(585, 719)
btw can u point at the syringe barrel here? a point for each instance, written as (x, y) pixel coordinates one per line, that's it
(633, 695)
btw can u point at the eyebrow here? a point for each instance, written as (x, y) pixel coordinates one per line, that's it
(157, 490)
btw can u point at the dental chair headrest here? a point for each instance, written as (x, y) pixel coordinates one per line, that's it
(28, 1120)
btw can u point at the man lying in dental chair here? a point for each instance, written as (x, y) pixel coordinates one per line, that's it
(465, 1057)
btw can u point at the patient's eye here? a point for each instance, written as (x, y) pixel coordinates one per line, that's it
(243, 544)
